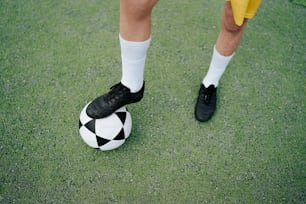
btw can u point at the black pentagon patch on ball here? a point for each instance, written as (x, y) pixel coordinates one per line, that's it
(121, 116)
(101, 141)
(91, 125)
(121, 135)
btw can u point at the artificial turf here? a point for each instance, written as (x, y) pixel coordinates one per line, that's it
(55, 56)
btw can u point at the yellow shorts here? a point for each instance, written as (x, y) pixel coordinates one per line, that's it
(244, 9)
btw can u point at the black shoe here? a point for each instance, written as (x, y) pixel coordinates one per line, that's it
(206, 103)
(117, 97)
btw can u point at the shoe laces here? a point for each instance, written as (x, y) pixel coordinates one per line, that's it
(206, 94)
(117, 91)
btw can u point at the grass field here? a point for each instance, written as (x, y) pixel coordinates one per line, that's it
(57, 55)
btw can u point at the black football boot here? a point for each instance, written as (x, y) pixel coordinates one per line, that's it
(206, 103)
(117, 97)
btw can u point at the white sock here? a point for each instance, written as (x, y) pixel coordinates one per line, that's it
(133, 55)
(216, 69)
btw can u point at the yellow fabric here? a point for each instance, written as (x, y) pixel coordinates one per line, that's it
(244, 9)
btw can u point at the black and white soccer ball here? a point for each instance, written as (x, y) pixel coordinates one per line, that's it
(106, 133)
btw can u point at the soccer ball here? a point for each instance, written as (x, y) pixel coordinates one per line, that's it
(106, 133)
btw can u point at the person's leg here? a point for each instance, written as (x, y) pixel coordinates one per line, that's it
(135, 19)
(134, 37)
(226, 44)
(225, 47)
(230, 34)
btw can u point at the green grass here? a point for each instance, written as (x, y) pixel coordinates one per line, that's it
(299, 2)
(55, 56)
